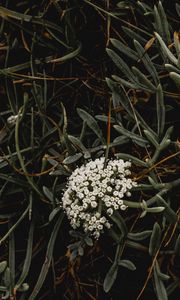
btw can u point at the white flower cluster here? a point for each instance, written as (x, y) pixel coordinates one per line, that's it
(94, 192)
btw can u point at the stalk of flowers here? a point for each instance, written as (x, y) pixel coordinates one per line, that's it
(94, 191)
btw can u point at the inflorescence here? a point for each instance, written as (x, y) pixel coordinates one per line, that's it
(94, 192)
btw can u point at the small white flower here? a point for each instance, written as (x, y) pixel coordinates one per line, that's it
(109, 189)
(123, 207)
(100, 195)
(93, 204)
(110, 211)
(116, 206)
(120, 202)
(115, 193)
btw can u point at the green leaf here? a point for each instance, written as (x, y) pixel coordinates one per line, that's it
(134, 35)
(110, 277)
(124, 49)
(162, 276)
(79, 145)
(104, 118)
(28, 258)
(147, 61)
(160, 110)
(126, 83)
(177, 246)
(3, 266)
(114, 235)
(151, 138)
(134, 137)
(172, 68)
(54, 212)
(68, 56)
(118, 220)
(144, 124)
(7, 277)
(72, 159)
(48, 194)
(12, 256)
(132, 158)
(119, 98)
(155, 239)
(160, 288)
(121, 64)
(165, 24)
(169, 213)
(120, 140)
(158, 23)
(127, 264)
(139, 236)
(48, 259)
(144, 80)
(176, 77)
(168, 134)
(165, 49)
(157, 209)
(88, 241)
(91, 122)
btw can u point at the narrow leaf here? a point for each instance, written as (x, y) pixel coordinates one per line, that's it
(132, 158)
(169, 213)
(144, 80)
(3, 266)
(121, 64)
(118, 220)
(164, 22)
(134, 137)
(110, 277)
(146, 61)
(72, 159)
(48, 194)
(47, 262)
(91, 122)
(124, 49)
(157, 24)
(177, 246)
(172, 68)
(127, 264)
(78, 144)
(175, 77)
(151, 138)
(155, 239)
(126, 83)
(88, 241)
(165, 49)
(27, 261)
(160, 110)
(139, 236)
(160, 288)
(134, 35)
(54, 213)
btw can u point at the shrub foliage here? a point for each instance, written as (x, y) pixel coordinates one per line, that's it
(82, 80)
